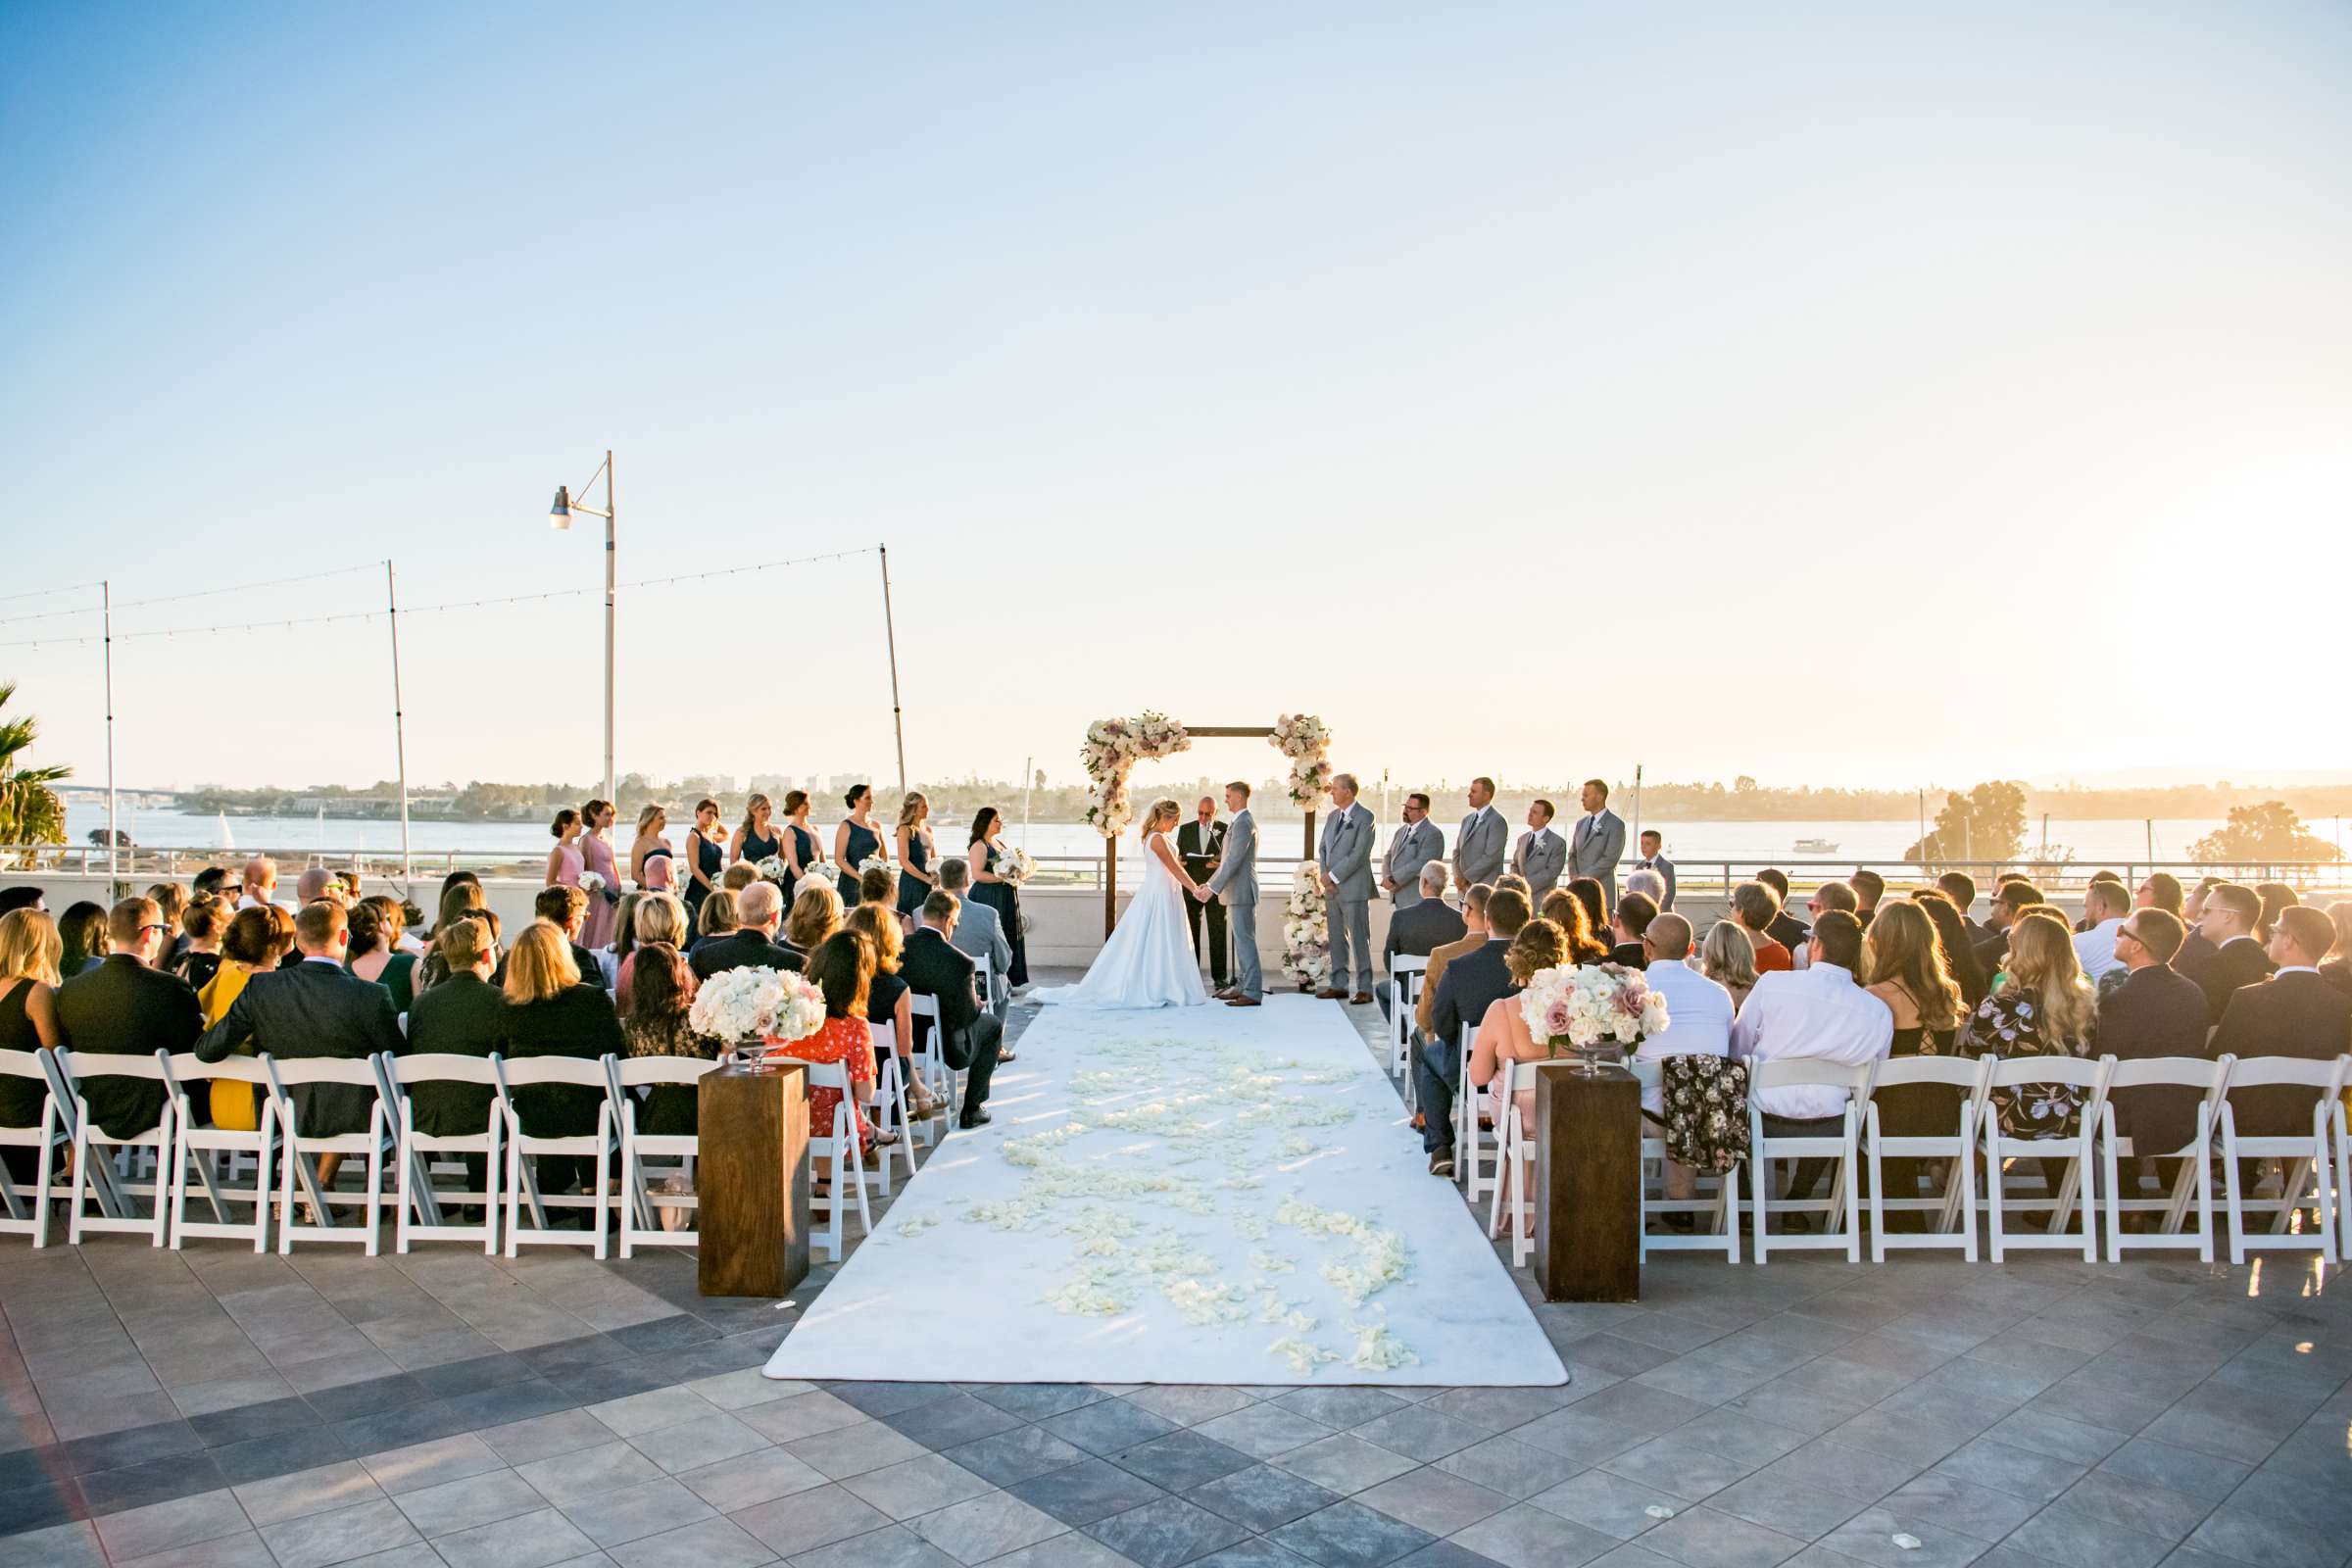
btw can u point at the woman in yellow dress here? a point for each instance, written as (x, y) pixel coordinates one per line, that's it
(257, 940)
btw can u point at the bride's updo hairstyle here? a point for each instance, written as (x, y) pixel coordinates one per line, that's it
(1162, 811)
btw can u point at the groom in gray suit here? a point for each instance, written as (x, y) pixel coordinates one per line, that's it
(1345, 856)
(1236, 887)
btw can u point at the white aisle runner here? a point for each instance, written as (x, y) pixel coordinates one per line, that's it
(1197, 1194)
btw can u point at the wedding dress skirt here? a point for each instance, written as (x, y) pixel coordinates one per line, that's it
(1149, 960)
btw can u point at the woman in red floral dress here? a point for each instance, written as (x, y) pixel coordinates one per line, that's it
(842, 967)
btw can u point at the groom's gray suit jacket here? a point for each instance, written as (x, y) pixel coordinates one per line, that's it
(1236, 881)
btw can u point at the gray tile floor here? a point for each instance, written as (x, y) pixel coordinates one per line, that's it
(209, 1408)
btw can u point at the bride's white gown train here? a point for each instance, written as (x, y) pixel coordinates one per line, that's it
(1149, 960)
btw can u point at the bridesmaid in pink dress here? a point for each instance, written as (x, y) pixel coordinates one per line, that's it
(596, 850)
(564, 863)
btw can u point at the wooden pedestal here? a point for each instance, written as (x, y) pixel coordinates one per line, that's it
(752, 1180)
(1588, 1184)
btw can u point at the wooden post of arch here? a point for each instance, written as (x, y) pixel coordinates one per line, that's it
(1111, 845)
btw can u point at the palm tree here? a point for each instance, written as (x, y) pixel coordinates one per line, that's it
(30, 811)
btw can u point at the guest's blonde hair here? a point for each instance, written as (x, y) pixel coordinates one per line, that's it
(2042, 966)
(719, 915)
(29, 946)
(1901, 948)
(1539, 944)
(879, 926)
(1728, 958)
(541, 964)
(815, 915)
(660, 917)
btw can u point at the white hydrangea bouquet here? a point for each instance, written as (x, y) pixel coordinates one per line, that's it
(1015, 867)
(772, 869)
(592, 882)
(755, 1008)
(1305, 738)
(1306, 929)
(1113, 746)
(1595, 1010)
(875, 861)
(816, 874)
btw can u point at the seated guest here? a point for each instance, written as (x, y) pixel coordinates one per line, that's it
(1755, 909)
(1903, 963)
(123, 1006)
(1517, 884)
(1593, 897)
(2336, 967)
(173, 900)
(2110, 878)
(553, 1012)
(460, 1016)
(842, 967)
(1820, 1012)
(1869, 888)
(2196, 949)
(1728, 957)
(741, 875)
(2160, 890)
(2155, 1012)
(716, 919)
(316, 882)
(210, 882)
(879, 884)
(1653, 860)
(659, 917)
(1650, 884)
(1502, 1033)
(1417, 930)
(202, 924)
(257, 942)
(82, 929)
(314, 1009)
(980, 933)
(2275, 897)
(2010, 902)
(1955, 946)
(2104, 907)
(888, 1004)
(1785, 929)
(1699, 1022)
(815, 915)
(624, 933)
(2237, 958)
(2295, 1012)
(1468, 987)
(259, 885)
(972, 1037)
(1473, 938)
(374, 954)
(1634, 913)
(566, 909)
(1581, 940)
(24, 896)
(2042, 1005)
(758, 912)
(1960, 888)
(29, 978)
(663, 988)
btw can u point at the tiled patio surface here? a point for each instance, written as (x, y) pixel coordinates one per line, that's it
(211, 1407)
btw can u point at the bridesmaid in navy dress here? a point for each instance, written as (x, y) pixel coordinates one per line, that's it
(915, 850)
(757, 838)
(855, 840)
(997, 893)
(799, 842)
(706, 856)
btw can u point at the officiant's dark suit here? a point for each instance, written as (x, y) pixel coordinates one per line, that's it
(934, 969)
(1201, 846)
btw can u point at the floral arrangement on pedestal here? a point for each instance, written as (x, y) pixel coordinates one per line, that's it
(1306, 929)
(1113, 746)
(755, 1008)
(1305, 739)
(1590, 1008)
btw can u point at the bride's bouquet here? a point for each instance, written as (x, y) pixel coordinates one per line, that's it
(1015, 867)
(758, 1006)
(1306, 928)
(1590, 1007)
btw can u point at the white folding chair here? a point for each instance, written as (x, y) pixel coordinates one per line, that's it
(932, 1062)
(300, 1168)
(1470, 1142)
(1514, 1162)
(200, 1147)
(640, 1219)
(1405, 972)
(2304, 1157)
(93, 1146)
(416, 1212)
(524, 1149)
(1722, 1234)
(838, 1141)
(26, 1212)
(2192, 1187)
(890, 1102)
(2076, 1148)
(1841, 1146)
(1959, 1204)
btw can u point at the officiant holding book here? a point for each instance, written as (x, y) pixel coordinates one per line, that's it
(1200, 845)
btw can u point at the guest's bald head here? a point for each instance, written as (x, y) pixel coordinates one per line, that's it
(758, 904)
(1668, 936)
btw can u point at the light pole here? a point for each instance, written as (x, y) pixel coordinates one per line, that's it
(559, 515)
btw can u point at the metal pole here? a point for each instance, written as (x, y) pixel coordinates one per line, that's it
(400, 742)
(1637, 808)
(611, 507)
(106, 606)
(1028, 778)
(890, 634)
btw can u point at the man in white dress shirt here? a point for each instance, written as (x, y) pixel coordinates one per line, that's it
(1479, 843)
(1698, 1011)
(261, 884)
(2107, 904)
(1817, 1011)
(1418, 843)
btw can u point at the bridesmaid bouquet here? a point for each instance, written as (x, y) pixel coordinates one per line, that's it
(877, 859)
(1015, 867)
(1588, 1006)
(772, 869)
(591, 883)
(770, 1006)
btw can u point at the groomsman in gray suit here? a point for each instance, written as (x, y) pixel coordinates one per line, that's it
(1345, 856)
(1416, 844)
(1599, 841)
(1479, 843)
(1542, 853)
(1236, 887)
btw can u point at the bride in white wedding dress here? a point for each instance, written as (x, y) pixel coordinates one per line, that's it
(1149, 960)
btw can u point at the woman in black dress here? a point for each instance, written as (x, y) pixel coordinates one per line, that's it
(915, 852)
(662, 990)
(887, 1005)
(855, 839)
(551, 1012)
(706, 855)
(757, 838)
(1904, 963)
(997, 893)
(29, 950)
(802, 853)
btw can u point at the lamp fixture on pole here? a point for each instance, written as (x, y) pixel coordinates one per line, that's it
(559, 517)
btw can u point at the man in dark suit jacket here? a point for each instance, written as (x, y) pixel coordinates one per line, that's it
(459, 1016)
(2156, 1011)
(1200, 844)
(753, 943)
(2231, 912)
(2295, 1012)
(933, 966)
(1627, 927)
(1470, 984)
(1417, 930)
(2010, 902)
(126, 1006)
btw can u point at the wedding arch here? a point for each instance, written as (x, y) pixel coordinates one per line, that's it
(1113, 746)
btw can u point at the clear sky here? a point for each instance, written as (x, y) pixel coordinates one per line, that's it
(1865, 394)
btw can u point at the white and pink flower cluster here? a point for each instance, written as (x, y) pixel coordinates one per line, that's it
(1305, 739)
(1306, 928)
(1578, 1005)
(775, 1006)
(1113, 746)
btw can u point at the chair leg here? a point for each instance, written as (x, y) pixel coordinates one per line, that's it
(2234, 1199)
(1877, 1205)
(631, 1195)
